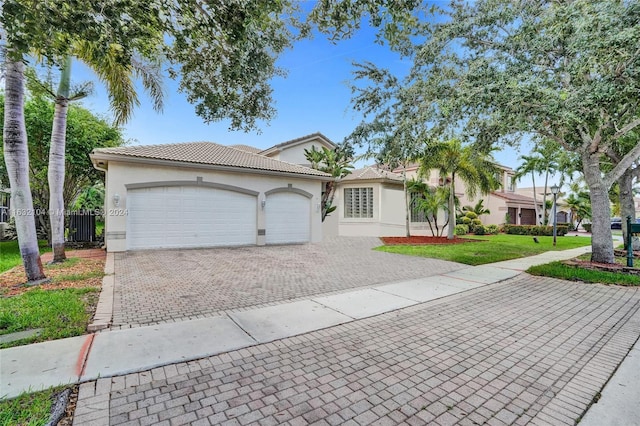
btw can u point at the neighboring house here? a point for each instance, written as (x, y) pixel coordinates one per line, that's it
(505, 204)
(563, 213)
(202, 194)
(293, 151)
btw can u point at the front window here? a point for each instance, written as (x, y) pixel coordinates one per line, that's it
(358, 202)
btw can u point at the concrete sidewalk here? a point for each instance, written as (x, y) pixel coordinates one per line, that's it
(113, 353)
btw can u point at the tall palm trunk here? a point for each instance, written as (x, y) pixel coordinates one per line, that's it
(452, 209)
(56, 163)
(545, 219)
(535, 199)
(407, 203)
(16, 157)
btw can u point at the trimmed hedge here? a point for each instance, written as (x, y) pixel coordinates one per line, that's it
(587, 227)
(461, 230)
(535, 230)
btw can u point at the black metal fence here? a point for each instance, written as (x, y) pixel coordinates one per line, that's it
(82, 226)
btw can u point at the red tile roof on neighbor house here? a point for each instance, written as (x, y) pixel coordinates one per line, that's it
(207, 153)
(511, 196)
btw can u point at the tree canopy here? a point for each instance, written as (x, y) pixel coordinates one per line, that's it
(497, 70)
(85, 132)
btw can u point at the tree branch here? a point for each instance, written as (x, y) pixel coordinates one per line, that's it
(624, 164)
(626, 129)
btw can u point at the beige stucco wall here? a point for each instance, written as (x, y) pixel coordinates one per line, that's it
(120, 174)
(295, 154)
(388, 213)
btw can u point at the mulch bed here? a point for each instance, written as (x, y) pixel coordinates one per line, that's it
(422, 240)
(12, 281)
(605, 267)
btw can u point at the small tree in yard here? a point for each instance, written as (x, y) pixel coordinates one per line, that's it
(429, 202)
(454, 160)
(337, 163)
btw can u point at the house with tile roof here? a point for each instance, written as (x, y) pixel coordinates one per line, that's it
(203, 194)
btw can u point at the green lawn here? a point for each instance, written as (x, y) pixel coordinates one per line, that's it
(61, 313)
(491, 248)
(573, 273)
(10, 254)
(29, 409)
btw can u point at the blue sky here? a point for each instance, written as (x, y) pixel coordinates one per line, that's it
(313, 97)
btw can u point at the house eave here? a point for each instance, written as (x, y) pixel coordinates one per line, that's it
(101, 160)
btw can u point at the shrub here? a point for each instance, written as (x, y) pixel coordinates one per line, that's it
(471, 215)
(534, 230)
(587, 227)
(466, 221)
(480, 230)
(493, 229)
(476, 222)
(461, 229)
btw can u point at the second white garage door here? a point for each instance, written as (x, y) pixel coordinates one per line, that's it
(288, 218)
(186, 216)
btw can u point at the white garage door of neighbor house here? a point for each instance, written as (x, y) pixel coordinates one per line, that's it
(186, 216)
(287, 218)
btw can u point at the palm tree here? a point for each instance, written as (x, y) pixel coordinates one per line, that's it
(547, 158)
(478, 209)
(16, 157)
(453, 159)
(580, 207)
(122, 95)
(430, 202)
(336, 162)
(530, 166)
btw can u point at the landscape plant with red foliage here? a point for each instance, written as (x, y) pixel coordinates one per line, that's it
(422, 239)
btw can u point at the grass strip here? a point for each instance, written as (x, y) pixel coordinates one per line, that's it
(573, 273)
(10, 254)
(60, 313)
(29, 409)
(492, 248)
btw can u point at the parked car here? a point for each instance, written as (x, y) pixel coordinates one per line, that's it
(616, 223)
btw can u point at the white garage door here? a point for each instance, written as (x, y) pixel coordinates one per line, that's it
(288, 218)
(186, 216)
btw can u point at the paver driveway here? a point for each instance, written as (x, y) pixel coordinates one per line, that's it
(529, 350)
(165, 285)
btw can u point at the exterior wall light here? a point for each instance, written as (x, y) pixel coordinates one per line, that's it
(116, 199)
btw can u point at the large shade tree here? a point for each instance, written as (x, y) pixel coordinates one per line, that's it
(224, 53)
(565, 71)
(387, 130)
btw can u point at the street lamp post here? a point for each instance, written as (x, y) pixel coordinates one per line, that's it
(554, 190)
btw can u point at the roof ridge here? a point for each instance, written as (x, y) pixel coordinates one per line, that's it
(211, 153)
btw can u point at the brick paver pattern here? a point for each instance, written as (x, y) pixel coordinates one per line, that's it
(165, 285)
(526, 351)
